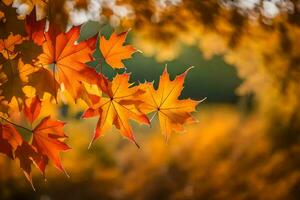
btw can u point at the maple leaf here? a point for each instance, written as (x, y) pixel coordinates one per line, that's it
(5, 147)
(113, 50)
(11, 135)
(13, 77)
(32, 108)
(68, 59)
(172, 112)
(118, 108)
(15, 44)
(16, 147)
(35, 29)
(48, 85)
(10, 23)
(14, 140)
(14, 74)
(7, 46)
(27, 155)
(47, 136)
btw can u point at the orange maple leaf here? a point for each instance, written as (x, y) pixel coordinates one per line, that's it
(5, 146)
(16, 147)
(15, 141)
(172, 112)
(7, 46)
(48, 85)
(14, 78)
(47, 136)
(118, 108)
(27, 155)
(67, 60)
(113, 50)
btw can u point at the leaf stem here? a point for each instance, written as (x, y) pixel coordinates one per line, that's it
(17, 125)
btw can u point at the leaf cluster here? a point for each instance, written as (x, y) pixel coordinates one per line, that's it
(40, 63)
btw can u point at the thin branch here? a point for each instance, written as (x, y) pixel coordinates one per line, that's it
(22, 127)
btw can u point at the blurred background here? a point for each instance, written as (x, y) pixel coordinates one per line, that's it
(246, 58)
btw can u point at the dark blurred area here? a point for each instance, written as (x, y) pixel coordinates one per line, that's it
(246, 58)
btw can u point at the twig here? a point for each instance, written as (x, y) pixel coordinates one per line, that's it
(27, 129)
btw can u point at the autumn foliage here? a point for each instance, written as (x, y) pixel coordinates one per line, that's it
(41, 63)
